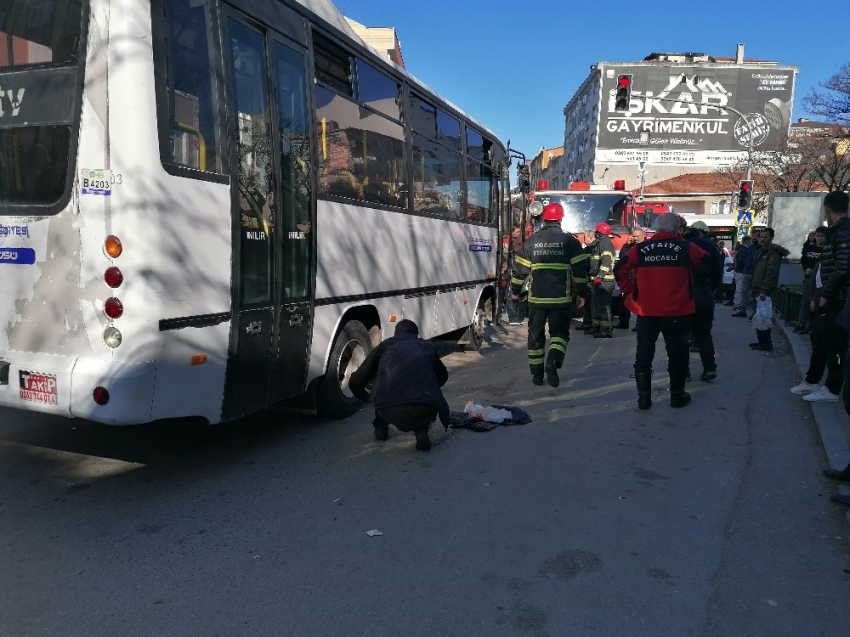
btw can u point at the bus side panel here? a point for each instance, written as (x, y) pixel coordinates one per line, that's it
(176, 233)
(363, 251)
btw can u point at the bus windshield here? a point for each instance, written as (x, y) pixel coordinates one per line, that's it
(40, 44)
(583, 210)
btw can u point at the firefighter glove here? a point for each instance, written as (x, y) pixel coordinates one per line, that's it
(597, 282)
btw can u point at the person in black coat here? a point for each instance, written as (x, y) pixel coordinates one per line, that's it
(618, 306)
(407, 374)
(706, 283)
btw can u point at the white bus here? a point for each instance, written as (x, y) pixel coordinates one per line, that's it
(208, 208)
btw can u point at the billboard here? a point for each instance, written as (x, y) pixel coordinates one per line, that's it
(674, 114)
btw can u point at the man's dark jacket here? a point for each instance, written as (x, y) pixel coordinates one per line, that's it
(752, 253)
(712, 277)
(741, 258)
(835, 264)
(810, 256)
(407, 371)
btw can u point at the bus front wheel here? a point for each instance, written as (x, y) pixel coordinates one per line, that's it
(334, 398)
(475, 332)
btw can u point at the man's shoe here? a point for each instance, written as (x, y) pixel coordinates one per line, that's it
(740, 315)
(679, 399)
(797, 329)
(644, 387)
(694, 349)
(584, 328)
(708, 375)
(688, 376)
(756, 344)
(537, 380)
(634, 329)
(423, 442)
(603, 335)
(621, 326)
(382, 433)
(763, 347)
(804, 388)
(823, 395)
(843, 474)
(592, 331)
(728, 304)
(552, 374)
(841, 499)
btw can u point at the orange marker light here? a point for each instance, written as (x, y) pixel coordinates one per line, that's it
(113, 246)
(393, 318)
(198, 359)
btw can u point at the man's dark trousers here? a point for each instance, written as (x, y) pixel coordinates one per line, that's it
(829, 344)
(701, 327)
(675, 330)
(559, 335)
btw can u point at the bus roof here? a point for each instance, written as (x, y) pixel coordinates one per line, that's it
(327, 12)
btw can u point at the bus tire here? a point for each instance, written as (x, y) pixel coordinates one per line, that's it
(333, 398)
(475, 332)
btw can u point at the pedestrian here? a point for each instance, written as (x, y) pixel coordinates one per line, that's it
(831, 324)
(406, 375)
(809, 259)
(747, 278)
(656, 279)
(557, 265)
(822, 357)
(601, 277)
(739, 303)
(619, 307)
(706, 282)
(766, 281)
(587, 237)
(517, 309)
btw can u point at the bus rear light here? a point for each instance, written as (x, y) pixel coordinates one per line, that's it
(113, 246)
(113, 277)
(112, 337)
(100, 395)
(393, 318)
(113, 308)
(198, 359)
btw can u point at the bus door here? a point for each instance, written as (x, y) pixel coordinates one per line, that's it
(273, 264)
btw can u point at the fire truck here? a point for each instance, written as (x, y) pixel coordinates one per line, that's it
(586, 205)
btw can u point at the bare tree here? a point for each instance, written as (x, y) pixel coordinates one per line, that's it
(832, 100)
(829, 157)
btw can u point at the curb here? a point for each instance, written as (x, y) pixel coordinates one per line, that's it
(827, 417)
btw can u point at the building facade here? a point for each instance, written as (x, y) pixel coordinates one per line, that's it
(383, 39)
(675, 123)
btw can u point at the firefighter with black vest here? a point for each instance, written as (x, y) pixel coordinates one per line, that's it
(557, 266)
(601, 277)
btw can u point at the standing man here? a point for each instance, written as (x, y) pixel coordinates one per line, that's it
(706, 284)
(587, 239)
(740, 300)
(747, 279)
(558, 268)
(601, 277)
(809, 259)
(766, 280)
(517, 309)
(407, 375)
(623, 315)
(656, 280)
(835, 276)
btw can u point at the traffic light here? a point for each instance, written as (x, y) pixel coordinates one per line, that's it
(745, 194)
(624, 93)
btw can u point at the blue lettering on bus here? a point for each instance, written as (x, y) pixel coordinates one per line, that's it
(14, 231)
(17, 256)
(473, 247)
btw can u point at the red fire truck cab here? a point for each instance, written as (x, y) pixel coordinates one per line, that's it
(586, 205)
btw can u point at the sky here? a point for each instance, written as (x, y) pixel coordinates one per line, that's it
(513, 66)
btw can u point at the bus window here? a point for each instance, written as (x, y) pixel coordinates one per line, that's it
(480, 206)
(39, 32)
(448, 130)
(436, 178)
(376, 90)
(423, 117)
(254, 157)
(333, 65)
(477, 146)
(191, 89)
(361, 153)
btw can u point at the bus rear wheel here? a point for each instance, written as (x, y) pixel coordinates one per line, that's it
(475, 333)
(334, 398)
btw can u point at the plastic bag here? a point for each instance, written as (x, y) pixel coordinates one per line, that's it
(763, 318)
(487, 413)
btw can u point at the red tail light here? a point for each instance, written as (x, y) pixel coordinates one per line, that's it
(113, 277)
(100, 395)
(113, 308)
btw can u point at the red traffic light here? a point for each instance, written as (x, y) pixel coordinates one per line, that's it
(624, 81)
(745, 185)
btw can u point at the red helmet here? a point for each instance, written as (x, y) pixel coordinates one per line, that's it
(553, 212)
(603, 228)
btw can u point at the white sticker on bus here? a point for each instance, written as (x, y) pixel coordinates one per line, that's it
(97, 182)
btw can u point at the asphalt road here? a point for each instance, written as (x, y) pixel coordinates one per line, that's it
(595, 519)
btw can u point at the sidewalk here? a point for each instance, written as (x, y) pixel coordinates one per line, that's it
(831, 419)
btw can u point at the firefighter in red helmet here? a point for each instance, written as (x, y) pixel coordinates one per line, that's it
(601, 276)
(557, 266)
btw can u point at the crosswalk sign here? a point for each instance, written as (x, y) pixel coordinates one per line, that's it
(745, 218)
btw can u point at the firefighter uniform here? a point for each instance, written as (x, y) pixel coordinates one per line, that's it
(557, 267)
(601, 277)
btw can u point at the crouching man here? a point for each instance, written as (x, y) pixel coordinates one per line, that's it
(407, 375)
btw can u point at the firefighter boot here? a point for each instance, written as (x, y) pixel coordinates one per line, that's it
(644, 387)
(552, 372)
(678, 396)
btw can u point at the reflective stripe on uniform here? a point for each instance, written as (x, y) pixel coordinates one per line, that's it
(550, 266)
(558, 344)
(523, 262)
(560, 300)
(535, 352)
(580, 258)
(517, 281)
